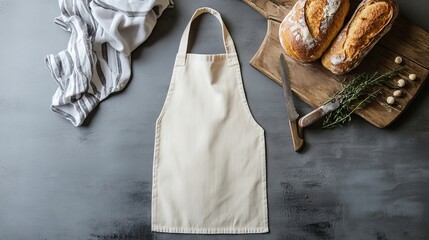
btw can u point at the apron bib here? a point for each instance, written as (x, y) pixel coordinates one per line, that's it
(209, 173)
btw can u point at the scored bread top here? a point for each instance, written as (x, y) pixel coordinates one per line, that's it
(362, 30)
(318, 17)
(371, 20)
(310, 26)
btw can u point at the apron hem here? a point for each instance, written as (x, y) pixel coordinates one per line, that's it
(210, 230)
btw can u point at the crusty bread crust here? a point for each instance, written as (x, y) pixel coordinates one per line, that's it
(310, 26)
(371, 21)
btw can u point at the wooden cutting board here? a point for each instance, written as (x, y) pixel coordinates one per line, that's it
(314, 84)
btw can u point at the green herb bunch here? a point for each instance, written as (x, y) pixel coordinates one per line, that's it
(357, 94)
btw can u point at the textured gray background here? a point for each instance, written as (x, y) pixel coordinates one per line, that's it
(94, 182)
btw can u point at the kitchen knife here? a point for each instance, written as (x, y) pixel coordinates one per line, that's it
(295, 131)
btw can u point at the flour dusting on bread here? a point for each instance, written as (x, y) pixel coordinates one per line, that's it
(310, 26)
(329, 11)
(369, 23)
(337, 59)
(299, 28)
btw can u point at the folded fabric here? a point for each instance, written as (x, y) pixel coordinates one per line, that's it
(96, 62)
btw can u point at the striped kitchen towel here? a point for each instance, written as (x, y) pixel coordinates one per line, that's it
(96, 62)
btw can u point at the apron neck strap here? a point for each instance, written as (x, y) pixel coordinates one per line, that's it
(227, 40)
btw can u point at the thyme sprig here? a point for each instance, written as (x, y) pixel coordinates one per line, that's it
(356, 95)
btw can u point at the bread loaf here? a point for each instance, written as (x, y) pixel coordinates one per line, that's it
(310, 26)
(371, 21)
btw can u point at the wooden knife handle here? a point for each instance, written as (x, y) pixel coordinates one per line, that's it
(298, 142)
(311, 117)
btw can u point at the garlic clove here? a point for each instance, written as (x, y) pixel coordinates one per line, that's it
(390, 100)
(398, 60)
(397, 93)
(401, 82)
(412, 77)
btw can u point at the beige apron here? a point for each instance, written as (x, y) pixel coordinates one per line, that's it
(209, 172)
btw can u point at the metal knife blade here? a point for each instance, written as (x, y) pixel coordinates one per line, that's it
(287, 91)
(295, 130)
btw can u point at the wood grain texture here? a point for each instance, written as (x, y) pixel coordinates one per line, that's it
(314, 84)
(271, 9)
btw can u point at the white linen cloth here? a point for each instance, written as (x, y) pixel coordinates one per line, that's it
(96, 62)
(209, 171)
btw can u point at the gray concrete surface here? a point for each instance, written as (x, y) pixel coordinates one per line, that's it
(94, 182)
